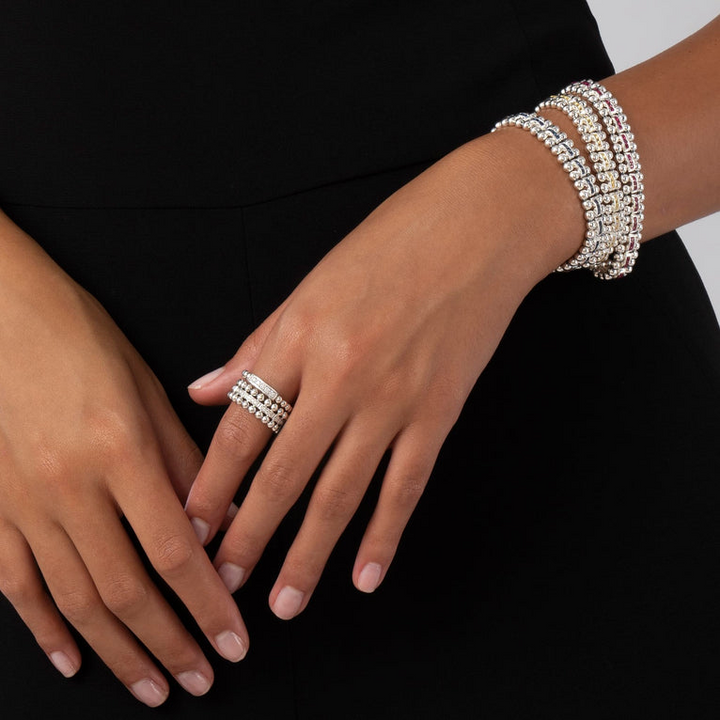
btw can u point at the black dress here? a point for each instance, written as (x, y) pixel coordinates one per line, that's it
(166, 154)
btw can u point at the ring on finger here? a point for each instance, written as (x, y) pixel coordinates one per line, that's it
(261, 400)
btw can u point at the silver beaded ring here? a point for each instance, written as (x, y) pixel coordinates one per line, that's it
(261, 400)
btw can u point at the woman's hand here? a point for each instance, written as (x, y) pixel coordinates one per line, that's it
(379, 347)
(87, 436)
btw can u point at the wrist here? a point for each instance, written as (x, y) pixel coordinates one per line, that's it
(537, 210)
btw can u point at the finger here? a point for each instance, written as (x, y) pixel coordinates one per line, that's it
(181, 455)
(284, 473)
(414, 453)
(238, 440)
(212, 388)
(171, 545)
(78, 600)
(21, 584)
(128, 592)
(335, 498)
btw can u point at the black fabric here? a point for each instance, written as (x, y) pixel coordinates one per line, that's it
(232, 103)
(166, 154)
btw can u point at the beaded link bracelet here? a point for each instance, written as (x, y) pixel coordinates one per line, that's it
(606, 213)
(628, 162)
(594, 249)
(612, 192)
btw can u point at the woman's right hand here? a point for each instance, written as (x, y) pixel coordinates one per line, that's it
(87, 436)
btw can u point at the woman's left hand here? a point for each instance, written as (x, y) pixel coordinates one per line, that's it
(379, 347)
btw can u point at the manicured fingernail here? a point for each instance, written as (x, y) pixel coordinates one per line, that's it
(232, 511)
(201, 528)
(194, 682)
(232, 575)
(287, 603)
(63, 663)
(369, 577)
(149, 692)
(230, 646)
(206, 379)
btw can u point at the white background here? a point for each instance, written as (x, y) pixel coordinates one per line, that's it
(634, 30)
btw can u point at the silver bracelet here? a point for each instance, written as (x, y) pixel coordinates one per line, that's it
(612, 193)
(629, 170)
(607, 213)
(594, 246)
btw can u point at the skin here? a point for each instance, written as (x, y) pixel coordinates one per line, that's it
(384, 305)
(111, 446)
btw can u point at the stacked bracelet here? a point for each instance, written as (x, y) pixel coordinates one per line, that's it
(593, 248)
(606, 214)
(612, 192)
(628, 162)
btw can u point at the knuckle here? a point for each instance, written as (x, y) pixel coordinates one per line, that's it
(277, 482)
(202, 504)
(52, 468)
(118, 433)
(295, 325)
(349, 352)
(178, 656)
(124, 595)
(406, 492)
(17, 589)
(305, 569)
(78, 606)
(109, 436)
(172, 555)
(245, 549)
(124, 663)
(234, 435)
(334, 503)
(112, 434)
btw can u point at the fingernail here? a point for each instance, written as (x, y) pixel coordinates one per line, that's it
(63, 663)
(288, 602)
(149, 692)
(201, 528)
(194, 682)
(232, 511)
(205, 379)
(232, 575)
(230, 646)
(369, 577)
